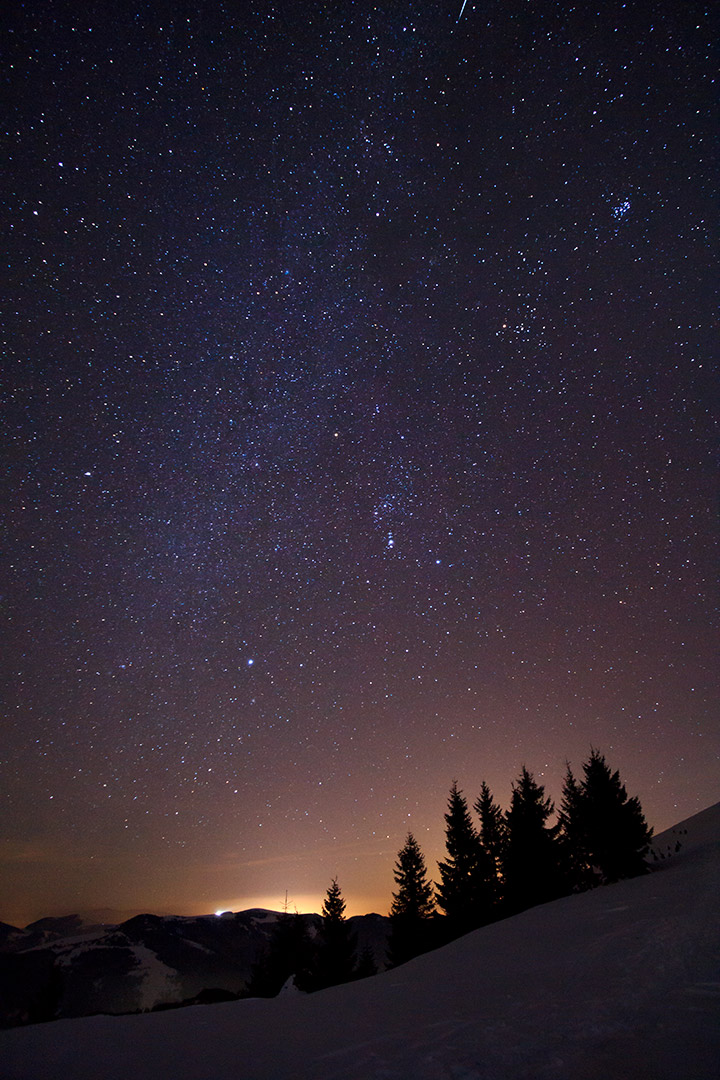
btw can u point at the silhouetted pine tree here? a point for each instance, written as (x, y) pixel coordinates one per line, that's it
(333, 961)
(532, 856)
(412, 908)
(605, 831)
(333, 909)
(493, 837)
(465, 892)
(575, 866)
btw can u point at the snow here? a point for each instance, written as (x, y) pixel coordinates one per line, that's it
(622, 982)
(159, 981)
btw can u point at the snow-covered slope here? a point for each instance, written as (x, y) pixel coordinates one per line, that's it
(622, 982)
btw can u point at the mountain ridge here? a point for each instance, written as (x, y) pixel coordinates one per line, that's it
(620, 981)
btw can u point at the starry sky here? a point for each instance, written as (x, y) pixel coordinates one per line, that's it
(358, 432)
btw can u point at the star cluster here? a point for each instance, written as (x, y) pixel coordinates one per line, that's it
(358, 433)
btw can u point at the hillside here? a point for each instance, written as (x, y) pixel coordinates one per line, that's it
(622, 982)
(64, 967)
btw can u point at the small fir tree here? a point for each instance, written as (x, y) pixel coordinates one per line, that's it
(465, 892)
(412, 907)
(333, 909)
(334, 954)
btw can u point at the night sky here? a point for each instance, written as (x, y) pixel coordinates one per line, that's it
(357, 420)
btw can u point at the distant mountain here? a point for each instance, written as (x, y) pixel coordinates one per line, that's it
(7, 933)
(102, 916)
(106, 916)
(57, 925)
(617, 983)
(62, 966)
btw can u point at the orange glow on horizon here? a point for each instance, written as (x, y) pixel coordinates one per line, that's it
(303, 904)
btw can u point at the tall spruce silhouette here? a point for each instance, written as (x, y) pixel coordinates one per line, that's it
(465, 891)
(605, 832)
(412, 907)
(532, 856)
(493, 837)
(576, 868)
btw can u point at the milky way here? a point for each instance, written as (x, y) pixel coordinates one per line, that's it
(358, 430)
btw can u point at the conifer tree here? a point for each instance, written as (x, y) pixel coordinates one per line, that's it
(334, 959)
(575, 866)
(333, 909)
(493, 837)
(412, 908)
(337, 934)
(532, 856)
(605, 831)
(465, 892)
